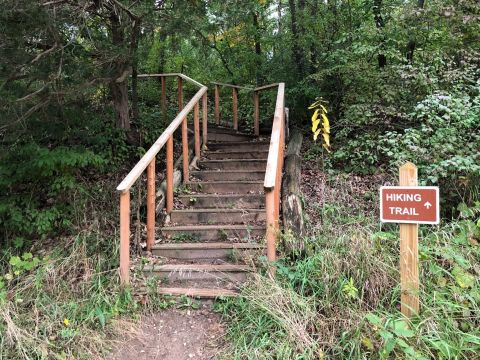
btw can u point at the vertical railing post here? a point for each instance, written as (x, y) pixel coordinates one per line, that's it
(217, 104)
(124, 237)
(256, 113)
(185, 150)
(205, 120)
(163, 99)
(169, 194)
(180, 93)
(235, 108)
(271, 234)
(150, 204)
(196, 128)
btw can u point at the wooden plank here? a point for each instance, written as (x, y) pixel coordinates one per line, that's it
(158, 75)
(256, 113)
(169, 175)
(150, 204)
(265, 87)
(409, 279)
(196, 128)
(205, 120)
(124, 237)
(135, 173)
(183, 76)
(217, 104)
(209, 245)
(198, 292)
(185, 161)
(232, 86)
(274, 150)
(235, 108)
(197, 268)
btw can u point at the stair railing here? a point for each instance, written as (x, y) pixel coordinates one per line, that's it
(274, 169)
(148, 162)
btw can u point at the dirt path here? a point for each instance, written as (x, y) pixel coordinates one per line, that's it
(175, 334)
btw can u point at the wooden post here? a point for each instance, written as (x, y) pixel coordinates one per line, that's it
(169, 194)
(271, 228)
(235, 108)
(196, 127)
(163, 100)
(150, 205)
(180, 93)
(124, 237)
(256, 112)
(205, 120)
(409, 281)
(185, 150)
(217, 104)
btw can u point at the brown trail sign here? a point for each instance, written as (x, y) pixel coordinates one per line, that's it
(409, 205)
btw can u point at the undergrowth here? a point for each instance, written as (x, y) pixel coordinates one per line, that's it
(340, 300)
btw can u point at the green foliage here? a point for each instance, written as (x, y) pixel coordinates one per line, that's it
(35, 183)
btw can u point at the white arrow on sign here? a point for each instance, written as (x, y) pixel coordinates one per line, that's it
(427, 205)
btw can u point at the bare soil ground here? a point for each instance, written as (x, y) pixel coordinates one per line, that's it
(175, 334)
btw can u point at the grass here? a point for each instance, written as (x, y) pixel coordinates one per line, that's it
(63, 300)
(340, 299)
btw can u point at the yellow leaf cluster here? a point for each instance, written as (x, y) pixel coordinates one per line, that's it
(320, 116)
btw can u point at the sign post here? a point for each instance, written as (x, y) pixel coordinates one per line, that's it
(409, 205)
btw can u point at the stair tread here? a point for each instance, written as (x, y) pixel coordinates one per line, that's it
(232, 160)
(198, 292)
(212, 227)
(229, 182)
(207, 245)
(221, 195)
(210, 210)
(228, 171)
(198, 267)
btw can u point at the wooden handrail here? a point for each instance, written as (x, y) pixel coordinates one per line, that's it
(274, 149)
(148, 162)
(273, 172)
(265, 87)
(135, 173)
(232, 86)
(185, 77)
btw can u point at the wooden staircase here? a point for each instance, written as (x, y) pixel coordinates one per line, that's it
(216, 231)
(227, 212)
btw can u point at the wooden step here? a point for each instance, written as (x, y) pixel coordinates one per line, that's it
(239, 145)
(229, 137)
(233, 164)
(201, 293)
(228, 175)
(214, 233)
(217, 216)
(226, 187)
(236, 154)
(219, 201)
(209, 272)
(214, 250)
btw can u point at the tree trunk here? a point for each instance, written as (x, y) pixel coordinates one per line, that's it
(134, 57)
(297, 52)
(258, 50)
(118, 84)
(380, 24)
(292, 210)
(412, 44)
